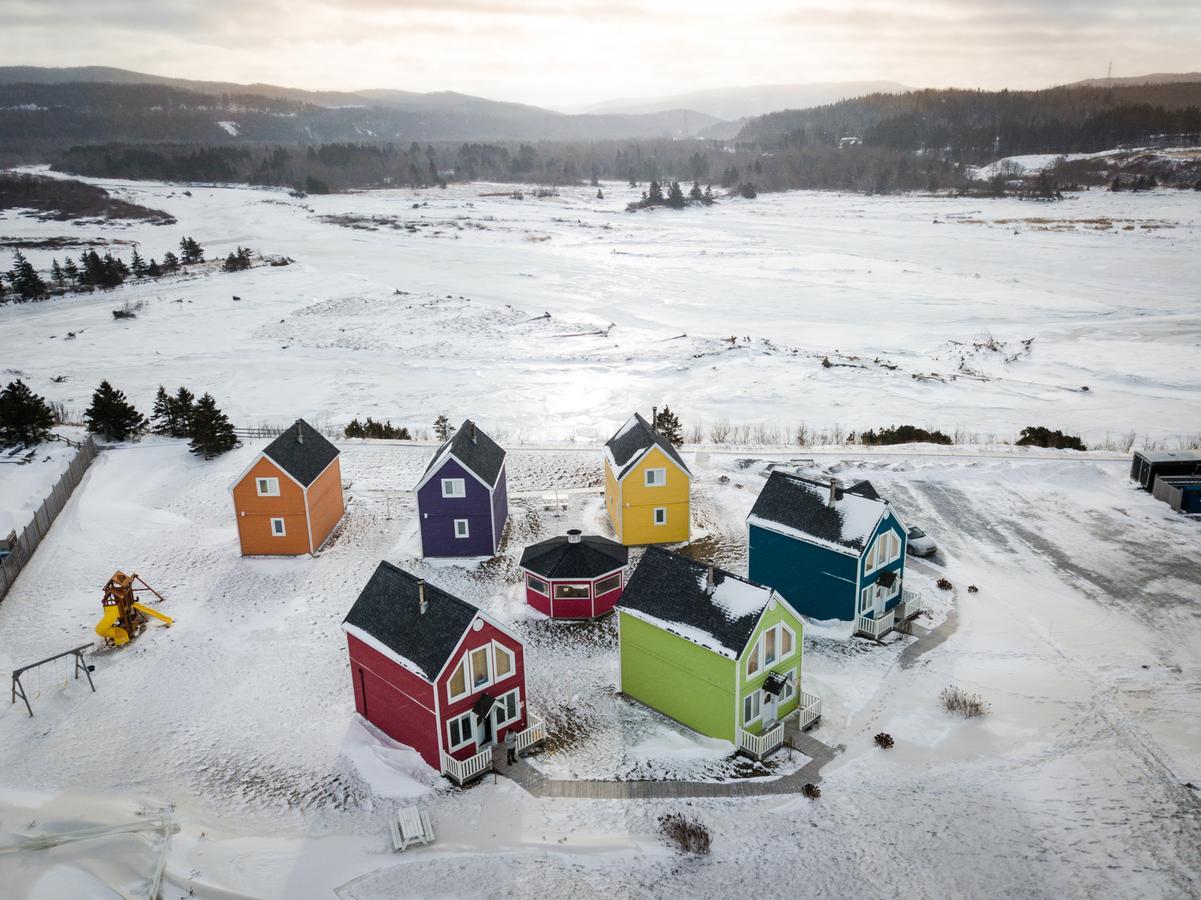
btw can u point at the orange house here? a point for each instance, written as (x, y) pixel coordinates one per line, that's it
(288, 500)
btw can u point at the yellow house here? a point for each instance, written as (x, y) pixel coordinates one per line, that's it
(647, 486)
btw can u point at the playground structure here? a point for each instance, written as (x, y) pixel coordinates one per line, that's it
(18, 689)
(124, 617)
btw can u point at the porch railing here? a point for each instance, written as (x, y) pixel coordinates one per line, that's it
(759, 745)
(462, 771)
(875, 628)
(809, 710)
(910, 605)
(535, 732)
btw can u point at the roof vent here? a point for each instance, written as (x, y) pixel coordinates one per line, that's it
(573, 535)
(835, 493)
(299, 433)
(422, 604)
(654, 416)
(473, 432)
(710, 579)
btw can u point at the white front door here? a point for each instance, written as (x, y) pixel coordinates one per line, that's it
(878, 599)
(770, 702)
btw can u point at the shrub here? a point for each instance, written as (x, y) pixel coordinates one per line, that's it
(944, 585)
(956, 700)
(972, 589)
(689, 835)
(379, 430)
(1037, 436)
(812, 791)
(904, 434)
(884, 740)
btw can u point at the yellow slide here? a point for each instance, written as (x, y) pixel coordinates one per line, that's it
(166, 620)
(106, 629)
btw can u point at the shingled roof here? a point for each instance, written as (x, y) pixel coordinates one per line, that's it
(388, 612)
(800, 507)
(473, 449)
(301, 451)
(589, 557)
(632, 440)
(671, 591)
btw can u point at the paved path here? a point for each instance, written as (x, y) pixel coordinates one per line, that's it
(539, 785)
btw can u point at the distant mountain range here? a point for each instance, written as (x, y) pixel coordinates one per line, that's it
(744, 102)
(1126, 81)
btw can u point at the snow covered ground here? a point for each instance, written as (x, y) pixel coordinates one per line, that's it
(239, 719)
(405, 304)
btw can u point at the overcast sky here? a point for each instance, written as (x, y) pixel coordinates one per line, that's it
(568, 53)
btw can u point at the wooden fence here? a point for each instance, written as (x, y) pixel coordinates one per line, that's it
(43, 517)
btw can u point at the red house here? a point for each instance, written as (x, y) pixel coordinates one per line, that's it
(574, 576)
(434, 672)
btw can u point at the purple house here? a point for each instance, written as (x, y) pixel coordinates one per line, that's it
(462, 498)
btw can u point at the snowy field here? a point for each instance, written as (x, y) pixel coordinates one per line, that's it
(239, 720)
(549, 319)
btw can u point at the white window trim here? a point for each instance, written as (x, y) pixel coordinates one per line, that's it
(502, 704)
(472, 686)
(760, 647)
(283, 527)
(451, 483)
(659, 478)
(466, 523)
(469, 730)
(541, 581)
(597, 592)
(655, 515)
(501, 648)
(466, 664)
(272, 486)
(758, 704)
(586, 585)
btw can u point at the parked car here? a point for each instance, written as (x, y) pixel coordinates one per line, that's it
(920, 543)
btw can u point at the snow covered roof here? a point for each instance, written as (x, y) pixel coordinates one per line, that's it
(671, 592)
(589, 557)
(301, 451)
(799, 507)
(632, 440)
(473, 449)
(388, 611)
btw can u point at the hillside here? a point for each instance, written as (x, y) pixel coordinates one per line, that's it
(755, 100)
(976, 126)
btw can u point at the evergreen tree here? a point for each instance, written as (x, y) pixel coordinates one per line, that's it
(675, 196)
(170, 262)
(25, 418)
(112, 416)
(211, 432)
(709, 193)
(152, 269)
(442, 428)
(190, 251)
(137, 265)
(183, 408)
(600, 195)
(656, 193)
(56, 272)
(162, 415)
(696, 193)
(71, 270)
(668, 425)
(354, 429)
(25, 278)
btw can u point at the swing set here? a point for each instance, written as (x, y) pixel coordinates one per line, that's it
(18, 689)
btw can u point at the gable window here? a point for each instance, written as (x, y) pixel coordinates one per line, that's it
(454, 487)
(267, 487)
(752, 662)
(775, 643)
(885, 549)
(750, 707)
(656, 477)
(787, 639)
(769, 646)
(537, 585)
(481, 667)
(462, 528)
(502, 661)
(462, 730)
(508, 708)
(572, 592)
(277, 528)
(612, 583)
(660, 515)
(457, 686)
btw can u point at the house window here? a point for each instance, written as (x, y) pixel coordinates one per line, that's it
(769, 646)
(277, 528)
(787, 640)
(457, 686)
(750, 707)
(885, 549)
(605, 585)
(656, 477)
(865, 600)
(481, 668)
(462, 528)
(462, 730)
(508, 708)
(454, 487)
(502, 661)
(572, 592)
(752, 663)
(660, 515)
(537, 585)
(788, 692)
(267, 487)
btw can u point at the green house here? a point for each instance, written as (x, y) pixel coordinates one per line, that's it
(713, 651)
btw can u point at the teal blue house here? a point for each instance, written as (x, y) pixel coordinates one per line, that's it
(831, 552)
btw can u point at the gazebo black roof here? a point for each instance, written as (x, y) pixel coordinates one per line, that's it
(587, 558)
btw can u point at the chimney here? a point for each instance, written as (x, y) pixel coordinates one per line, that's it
(834, 492)
(573, 535)
(473, 432)
(422, 605)
(299, 433)
(654, 416)
(710, 579)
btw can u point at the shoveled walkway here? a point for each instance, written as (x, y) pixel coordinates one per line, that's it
(539, 785)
